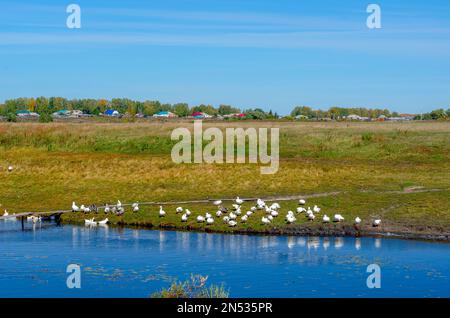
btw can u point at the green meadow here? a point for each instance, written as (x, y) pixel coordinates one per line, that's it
(398, 172)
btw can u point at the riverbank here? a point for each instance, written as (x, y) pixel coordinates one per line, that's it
(392, 231)
(387, 171)
(392, 226)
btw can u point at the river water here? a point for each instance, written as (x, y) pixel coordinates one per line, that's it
(122, 262)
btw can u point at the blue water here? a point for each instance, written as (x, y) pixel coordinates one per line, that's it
(134, 263)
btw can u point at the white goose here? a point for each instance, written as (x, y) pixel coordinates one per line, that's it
(265, 220)
(188, 213)
(244, 218)
(311, 217)
(36, 219)
(210, 220)
(253, 209)
(290, 219)
(275, 206)
(217, 202)
(226, 219)
(208, 216)
(239, 201)
(274, 214)
(219, 213)
(5, 213)
(90, 221)
(316, 209)
(301, 202)
(260, 203)
(119, 204)
(107, 208)
(162, 213)
(135, 207)
(10, 168)
(300, 210)
(338, 218)
(357, 220)
(200, 219)
(326, 219)
(236, 206)
(75, 208)
(249, 213)
(233, 216)
(232, 223)
(103, 222)
(184, 218)
(376, 222)
(179, 209)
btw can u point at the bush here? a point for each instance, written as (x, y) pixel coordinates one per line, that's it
(11, 117)
(45, 118)
(192, 288)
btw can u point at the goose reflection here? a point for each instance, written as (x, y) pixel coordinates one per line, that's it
(358, 243)
(301, 242)
(184, 237)
(326, 243)
(377, 243)
(338, 242)
(313, 242)
(290, 242)
(162, 240)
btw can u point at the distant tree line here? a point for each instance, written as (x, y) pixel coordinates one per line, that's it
(46, 106)
(434, 115)
(340, 112)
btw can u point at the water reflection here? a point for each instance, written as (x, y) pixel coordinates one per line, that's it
(358, 243)
(378, 242)
(326, 243)
(313, 242)
(129, 262)
(338, 242)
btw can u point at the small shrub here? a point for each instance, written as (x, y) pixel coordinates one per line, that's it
(11, 117)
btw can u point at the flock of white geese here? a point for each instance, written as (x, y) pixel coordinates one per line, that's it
(232, 216)
(228, 217)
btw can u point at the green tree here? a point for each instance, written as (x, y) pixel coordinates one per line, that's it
(227, 110)
(181, 109)
(45, 118)
(302, 110)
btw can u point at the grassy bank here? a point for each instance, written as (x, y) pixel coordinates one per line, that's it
(369, 164)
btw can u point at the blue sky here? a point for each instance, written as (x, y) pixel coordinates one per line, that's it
(249, 53)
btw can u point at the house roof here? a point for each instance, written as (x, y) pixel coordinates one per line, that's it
(110, 111)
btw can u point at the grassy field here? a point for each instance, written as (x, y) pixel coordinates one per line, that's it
(376, 168)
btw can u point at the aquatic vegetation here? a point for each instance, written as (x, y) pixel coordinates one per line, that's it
(195, 287)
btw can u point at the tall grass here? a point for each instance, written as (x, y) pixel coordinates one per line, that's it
(421, 142)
